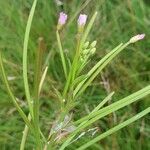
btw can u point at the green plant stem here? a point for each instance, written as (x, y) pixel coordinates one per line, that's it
(61, 54)
(72, 72)
(4, 77)
(67, 84)
(26, 129)
(43, 78)
(115, 129)
(71, 78)
(25, 133)
(33, 111)
(76, 58)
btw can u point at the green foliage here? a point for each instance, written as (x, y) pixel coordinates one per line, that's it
(116, 22)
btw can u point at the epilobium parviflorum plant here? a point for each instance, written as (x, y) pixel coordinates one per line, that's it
(65, 129)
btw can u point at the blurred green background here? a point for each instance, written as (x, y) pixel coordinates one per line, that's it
(117, 21)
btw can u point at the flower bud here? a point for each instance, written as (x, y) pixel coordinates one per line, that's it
(93, 50)
(86, 45)
(137, 38)
(82, 19)
(62, 20)
(85, 51)
(81, 22)
(82, 59)
(93, 44)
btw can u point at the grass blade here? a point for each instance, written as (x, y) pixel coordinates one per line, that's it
(4, 77)
(37, 76)
(115, 129)
(25, 50)
(105, 111)
(117, 105)
(106, 99)
(43, 78)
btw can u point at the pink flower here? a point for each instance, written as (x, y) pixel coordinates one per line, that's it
(62, 18)
(82, 19)
(137, 38)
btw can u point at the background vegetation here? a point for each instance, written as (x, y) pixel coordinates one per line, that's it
(117, 21)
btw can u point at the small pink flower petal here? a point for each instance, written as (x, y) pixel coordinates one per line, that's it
(137, 38)
(82, 19)
(62, 18)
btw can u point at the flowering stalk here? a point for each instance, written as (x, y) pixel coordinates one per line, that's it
(137, 38)
(61, 22)
(81, 23)
(83, 39)
(61, 54)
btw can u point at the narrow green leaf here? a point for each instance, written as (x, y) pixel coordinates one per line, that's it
(43, 78)
(98, 107)
(37, 77)
(25, 134)
(117, 105)
(106, 99)
(78, 80)
(105, 111)
(25, 50)
(115, 129)
(4, 77)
